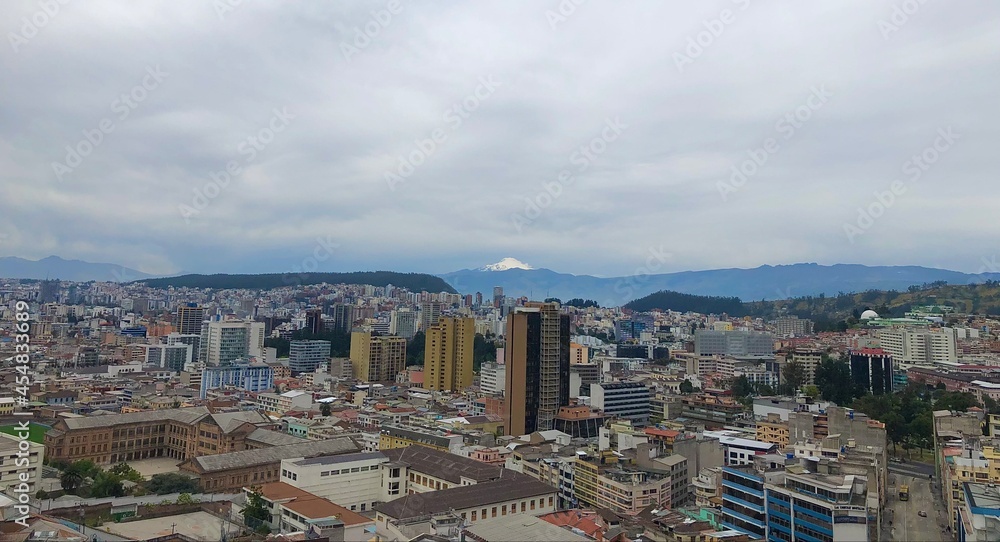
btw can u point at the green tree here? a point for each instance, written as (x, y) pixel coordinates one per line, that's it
(107, 484)
(71, 479)
(686, 386)
(255, 513)
(126, 472)
(325, 409)
(792, 377)
(415, 349)
(953, 400)
(742, 387)
(185, 498)
(172, 482)
(811, 390)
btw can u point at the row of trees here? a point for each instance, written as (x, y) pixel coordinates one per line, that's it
(85, 478)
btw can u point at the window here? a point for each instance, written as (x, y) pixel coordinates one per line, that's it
(503, 510)
(365, 469)
(363, 507)
(532, 504)
(494, 511)
(394, 472)
(473, 515)
(523, 506)
(356, 469)
(550, 501)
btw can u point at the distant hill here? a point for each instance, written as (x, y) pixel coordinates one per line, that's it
(827, 312)
(415, 282)
(55, 267)
(761, 283)
(970, 298)
(689, 303)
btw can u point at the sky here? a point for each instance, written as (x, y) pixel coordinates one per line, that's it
(579, 136)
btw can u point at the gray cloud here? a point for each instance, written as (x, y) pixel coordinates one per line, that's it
(354, 117)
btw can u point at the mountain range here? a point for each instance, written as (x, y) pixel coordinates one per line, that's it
(760, 283)
(54, 267)
(520, 279)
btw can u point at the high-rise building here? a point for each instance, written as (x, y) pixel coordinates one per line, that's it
(305, 356)
(536, 354)
(314, 321)
(497, 296)
(227, 341)
(448, 354)
(709, 342)
(48, 291)
(189, 319)
(793, 326)
(871, 368)
(375, 359)
(343, 317)
(919, 346)
(430, 313)
(169, 356)
(403, 323)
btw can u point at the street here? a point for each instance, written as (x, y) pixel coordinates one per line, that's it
(907, 525)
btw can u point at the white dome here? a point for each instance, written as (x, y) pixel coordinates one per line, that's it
(869, 314)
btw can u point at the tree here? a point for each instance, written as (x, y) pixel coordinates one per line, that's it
(172, 482)
(415, 349)
(107, 484)
(126, 472)
(71, 479)
(185, 498)
(742, 387)
(255, 513)
(686, 386)
(325, 409)
(792, 376)
(954, 400)
(811, 390)
(833, 378)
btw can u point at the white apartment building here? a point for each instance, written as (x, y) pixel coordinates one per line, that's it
(492, 378)
(230, 340)
(919, 346)
(18, 466)
(278, 404)
(353, 481)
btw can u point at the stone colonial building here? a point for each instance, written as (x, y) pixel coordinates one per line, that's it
(178, 433)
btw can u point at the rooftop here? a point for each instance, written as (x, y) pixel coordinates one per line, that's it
(443, 465)
(308, 505)
(523, 528)
(264, 456)
(511, 486)
(340, 458)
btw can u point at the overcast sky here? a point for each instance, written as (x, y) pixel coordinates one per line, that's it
(344, 101)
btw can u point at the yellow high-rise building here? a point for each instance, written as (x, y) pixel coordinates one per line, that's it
(448, 354)
(377, 358)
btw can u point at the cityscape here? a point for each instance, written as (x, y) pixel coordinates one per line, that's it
(373, 412)
(499, 271)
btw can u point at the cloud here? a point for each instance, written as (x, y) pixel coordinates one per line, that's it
(656, 185)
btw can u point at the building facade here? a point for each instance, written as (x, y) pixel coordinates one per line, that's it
(536, 354)
(305, 356)
(448, 354)
(377, 359)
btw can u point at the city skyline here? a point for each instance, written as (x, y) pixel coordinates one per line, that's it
(316, 115)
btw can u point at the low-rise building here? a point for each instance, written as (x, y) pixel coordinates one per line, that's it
(294, 510)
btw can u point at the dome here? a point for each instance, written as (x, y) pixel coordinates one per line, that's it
(869, 314)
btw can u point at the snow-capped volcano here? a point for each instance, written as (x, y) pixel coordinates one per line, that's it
(505, 264)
